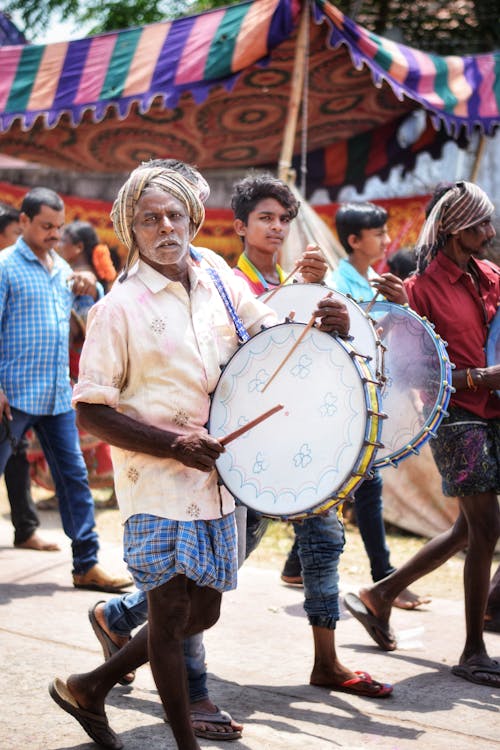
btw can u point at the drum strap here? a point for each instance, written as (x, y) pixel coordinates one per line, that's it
(241, 331)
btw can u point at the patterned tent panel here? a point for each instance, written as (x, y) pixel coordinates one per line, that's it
(214, 90)
(460, 91)
(138, 64)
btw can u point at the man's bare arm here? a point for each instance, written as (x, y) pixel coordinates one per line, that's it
(197, 450)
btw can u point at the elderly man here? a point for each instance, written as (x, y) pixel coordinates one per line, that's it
(153, 353)
(459, 293)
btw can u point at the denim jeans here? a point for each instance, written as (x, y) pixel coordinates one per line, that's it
(58, 437)
(369, 517)
(18, 482)
(321, 541)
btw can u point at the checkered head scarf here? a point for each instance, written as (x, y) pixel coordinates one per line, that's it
(460, 207)
(168, 180)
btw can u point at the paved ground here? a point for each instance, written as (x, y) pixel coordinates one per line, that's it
(259, 659)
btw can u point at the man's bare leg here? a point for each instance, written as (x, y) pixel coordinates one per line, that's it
(483, 517)
(177, 609)
(327, 670)
(379, 597)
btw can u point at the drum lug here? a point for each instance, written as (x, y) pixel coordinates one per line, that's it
(379, 414)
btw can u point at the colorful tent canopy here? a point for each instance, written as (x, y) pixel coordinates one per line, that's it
(213, 89)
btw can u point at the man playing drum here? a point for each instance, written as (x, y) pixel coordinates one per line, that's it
(263, 208)
(362, 231)
(153, 353)
(459, 293)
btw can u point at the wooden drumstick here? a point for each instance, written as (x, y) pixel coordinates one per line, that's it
(273, 291)
(244, 428)
(281, 364)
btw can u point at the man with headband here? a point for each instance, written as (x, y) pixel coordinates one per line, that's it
(154, 350)
(459, 292)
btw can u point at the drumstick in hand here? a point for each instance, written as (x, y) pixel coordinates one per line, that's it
(241, 430)
(306, 329)
(282, 283)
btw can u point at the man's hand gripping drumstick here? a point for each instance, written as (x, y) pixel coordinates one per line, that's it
(311, 265)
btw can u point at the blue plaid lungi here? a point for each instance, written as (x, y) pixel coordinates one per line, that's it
(156, 549)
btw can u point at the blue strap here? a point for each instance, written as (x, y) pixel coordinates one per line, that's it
(241, 331)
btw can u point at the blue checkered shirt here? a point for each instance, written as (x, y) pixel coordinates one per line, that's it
(35, 307)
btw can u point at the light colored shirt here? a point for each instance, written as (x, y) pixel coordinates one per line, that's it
(155, 353)
(347, 280)
(35, 307)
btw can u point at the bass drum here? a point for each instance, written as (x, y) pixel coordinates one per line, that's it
(417, 380)
(493, 343)
(314, 452)
(301, 299)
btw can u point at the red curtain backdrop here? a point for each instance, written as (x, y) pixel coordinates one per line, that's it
(406, 216)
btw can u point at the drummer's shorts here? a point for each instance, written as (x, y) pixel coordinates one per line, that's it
(157, 549)
(467, 453)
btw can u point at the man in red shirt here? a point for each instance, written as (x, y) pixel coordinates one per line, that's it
(459, 293)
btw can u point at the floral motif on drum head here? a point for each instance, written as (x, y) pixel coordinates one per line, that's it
(260, 464)
(259, 381)
(303, 367)
(303, 457)
(193, 510)
(329, 407)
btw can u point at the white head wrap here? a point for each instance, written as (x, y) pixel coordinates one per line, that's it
(460, 207)
(168, 180)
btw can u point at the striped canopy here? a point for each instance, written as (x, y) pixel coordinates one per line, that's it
(214, 89)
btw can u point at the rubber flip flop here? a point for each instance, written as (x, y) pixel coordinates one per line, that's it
(473, 672)
(108, 646)
(377, 629)
(95, 725)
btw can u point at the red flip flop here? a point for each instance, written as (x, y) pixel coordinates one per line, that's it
(364, 685)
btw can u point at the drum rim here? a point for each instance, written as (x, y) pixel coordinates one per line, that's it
(432, 422)
(351, 304)
(372, 424)
(494, 330)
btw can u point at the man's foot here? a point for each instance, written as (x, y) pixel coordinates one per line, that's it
(93, 721)
(292, 580)
(110, 642)
(342, 680)
(376, 627)
(213, 724)
(36, 542)
(50, 503)
(480, 670)
(408, 600)
(97, 579)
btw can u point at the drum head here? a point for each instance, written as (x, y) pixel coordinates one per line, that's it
(302, 300)
(493, 344)
(417, 385)
(311, 450)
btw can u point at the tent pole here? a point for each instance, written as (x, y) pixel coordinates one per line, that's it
(478, 157)
(285, 172)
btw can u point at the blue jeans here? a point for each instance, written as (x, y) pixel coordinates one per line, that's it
(320, 542)
(370, 521)
(58, 437)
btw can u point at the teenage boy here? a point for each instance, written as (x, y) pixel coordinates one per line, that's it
(362, 232)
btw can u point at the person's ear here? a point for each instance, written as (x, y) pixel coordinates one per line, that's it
(240, 227)
(353, 241)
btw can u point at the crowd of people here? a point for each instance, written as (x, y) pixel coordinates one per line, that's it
(148, 413)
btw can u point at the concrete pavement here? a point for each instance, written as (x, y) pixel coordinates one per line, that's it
(259, 660)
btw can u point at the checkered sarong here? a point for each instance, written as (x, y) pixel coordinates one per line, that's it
(156, 549)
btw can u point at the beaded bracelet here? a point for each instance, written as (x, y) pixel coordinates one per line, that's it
(470, 383)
